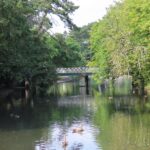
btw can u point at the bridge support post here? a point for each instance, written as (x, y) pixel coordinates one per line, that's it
(87, 84)
(25, 92)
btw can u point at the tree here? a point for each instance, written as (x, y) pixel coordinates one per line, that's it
(137, 12)
(81, 36)
(109, 42)
(120, 42)
(45, 12)
(26, 47)
(68, 52)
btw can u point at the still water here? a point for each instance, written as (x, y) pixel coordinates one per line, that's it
(121, 123)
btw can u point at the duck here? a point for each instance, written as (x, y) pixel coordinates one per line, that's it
(78, 130)
(110, 97)
(64, 142)
(15, 116)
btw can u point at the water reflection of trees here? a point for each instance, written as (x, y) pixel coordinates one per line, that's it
(36, 125)
(124, 124)
(63, 89)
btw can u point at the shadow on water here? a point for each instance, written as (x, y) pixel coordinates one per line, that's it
(44, 126)
(36, 128)
(117, 123)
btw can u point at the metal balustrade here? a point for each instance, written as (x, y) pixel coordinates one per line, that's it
(76, 70)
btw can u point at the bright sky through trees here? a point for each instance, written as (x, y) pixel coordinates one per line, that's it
(89, 11)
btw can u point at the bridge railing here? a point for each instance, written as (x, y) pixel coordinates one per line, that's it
(76, 70)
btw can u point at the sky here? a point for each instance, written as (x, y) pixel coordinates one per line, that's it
(88, 11)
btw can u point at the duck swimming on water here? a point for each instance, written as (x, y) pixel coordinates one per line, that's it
(78, 129)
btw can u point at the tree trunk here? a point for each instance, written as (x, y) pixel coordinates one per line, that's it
(87, 84)
(142, 85)
(113, 86)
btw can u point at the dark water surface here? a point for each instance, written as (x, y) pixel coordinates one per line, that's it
(121, 123)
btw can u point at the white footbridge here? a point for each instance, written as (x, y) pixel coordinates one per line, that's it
(76, 71)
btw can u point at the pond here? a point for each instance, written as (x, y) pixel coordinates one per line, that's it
(121, 123)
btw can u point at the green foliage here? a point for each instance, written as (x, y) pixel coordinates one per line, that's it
(120, 41)
(100, 58)
(67, 51)
(26, 49)
(81, 36)
(139, 25)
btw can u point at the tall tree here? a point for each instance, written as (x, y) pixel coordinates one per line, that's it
(26, 48)
(138, 22)
(120, 42)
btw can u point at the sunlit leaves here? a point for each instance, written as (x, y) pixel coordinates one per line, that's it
(124, 35)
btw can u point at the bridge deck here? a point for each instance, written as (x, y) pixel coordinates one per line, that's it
(76, 71)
